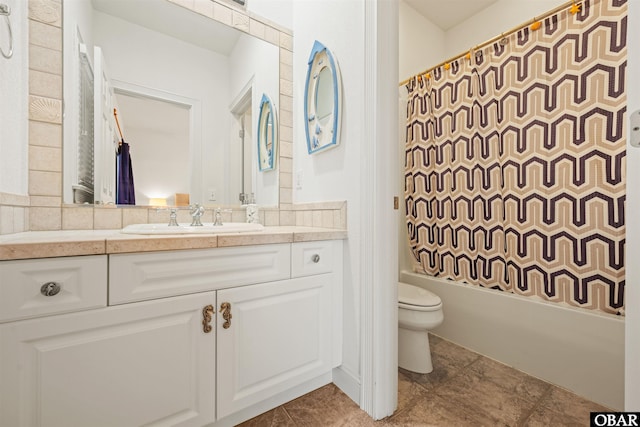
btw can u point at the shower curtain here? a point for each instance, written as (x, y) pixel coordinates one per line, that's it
(515, 162)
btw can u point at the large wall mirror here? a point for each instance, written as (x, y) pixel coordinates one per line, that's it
(187, 92)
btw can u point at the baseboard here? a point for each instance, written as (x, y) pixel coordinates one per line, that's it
(348, 383)
(273, 401)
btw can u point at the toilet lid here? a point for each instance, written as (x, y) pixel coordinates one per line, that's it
(413, 295)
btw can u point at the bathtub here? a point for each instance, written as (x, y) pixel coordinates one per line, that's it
(579, 350)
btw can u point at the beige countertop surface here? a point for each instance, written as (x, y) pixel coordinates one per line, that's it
(48, 244)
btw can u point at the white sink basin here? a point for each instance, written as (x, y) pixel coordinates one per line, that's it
(207, 228)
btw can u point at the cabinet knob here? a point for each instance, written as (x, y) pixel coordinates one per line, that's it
(50, 289)
(315, 258)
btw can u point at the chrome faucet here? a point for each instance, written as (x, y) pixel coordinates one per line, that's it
(196, 212)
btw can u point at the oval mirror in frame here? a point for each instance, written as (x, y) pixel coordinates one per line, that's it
(267, 135)
(322, 100)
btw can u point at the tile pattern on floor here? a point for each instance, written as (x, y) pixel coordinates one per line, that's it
(464, 389)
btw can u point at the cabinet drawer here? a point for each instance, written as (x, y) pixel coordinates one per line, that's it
(82, 283)
(310, 258)
(145, 276)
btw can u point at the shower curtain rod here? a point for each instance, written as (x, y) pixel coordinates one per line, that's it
(497, 38)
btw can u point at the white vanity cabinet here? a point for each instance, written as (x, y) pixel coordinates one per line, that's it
(278, 336)
(152, 356)
(137, 364)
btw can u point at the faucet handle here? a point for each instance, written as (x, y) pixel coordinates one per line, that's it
(173, 215)
(217, 215)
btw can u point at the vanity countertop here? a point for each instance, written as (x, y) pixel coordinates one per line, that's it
(48, 244)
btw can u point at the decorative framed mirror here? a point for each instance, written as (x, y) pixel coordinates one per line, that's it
(322, 100)
(267, 135)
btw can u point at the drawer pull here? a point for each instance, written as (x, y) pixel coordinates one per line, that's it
(315, 258)
(50, 289)
(207, 313)
(225, 309)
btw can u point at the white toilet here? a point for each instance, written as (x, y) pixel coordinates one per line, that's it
(419, 311)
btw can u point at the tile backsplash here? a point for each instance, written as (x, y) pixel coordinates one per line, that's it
(17, 216)
(14, 213)
(78, 217)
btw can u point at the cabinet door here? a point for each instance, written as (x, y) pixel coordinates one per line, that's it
(278, 336)
(137, 364)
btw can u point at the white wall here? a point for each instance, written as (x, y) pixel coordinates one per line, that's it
(422, 43)
(335, 174)
(632, 297)
(501, 16)
(363, 37)
(277, 11)
(14, 102)
(143, 57)
(255, 60)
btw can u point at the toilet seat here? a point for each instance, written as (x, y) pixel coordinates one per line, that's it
(415, 298)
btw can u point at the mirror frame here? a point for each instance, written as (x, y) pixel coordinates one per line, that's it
(315, 131)
(267, 111)
(46, 207)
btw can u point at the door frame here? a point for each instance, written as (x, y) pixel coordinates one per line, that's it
(379, 237)
(195, 125)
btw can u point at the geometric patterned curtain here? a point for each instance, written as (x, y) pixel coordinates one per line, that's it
(515, 162)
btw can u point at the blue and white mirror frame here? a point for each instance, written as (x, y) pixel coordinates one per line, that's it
(322, 100)
(267, 135)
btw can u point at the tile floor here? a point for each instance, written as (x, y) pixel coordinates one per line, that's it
(464, 389)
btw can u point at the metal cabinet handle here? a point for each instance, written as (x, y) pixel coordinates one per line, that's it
(50, 289)
(225, 309)
(207, 314)
(315, 258)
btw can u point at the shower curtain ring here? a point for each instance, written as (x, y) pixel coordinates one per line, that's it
(6, 11)
(575, 7)
(535, 24)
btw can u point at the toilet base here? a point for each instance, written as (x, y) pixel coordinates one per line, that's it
(414, 353)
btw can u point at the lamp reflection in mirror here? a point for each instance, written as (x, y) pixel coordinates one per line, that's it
(158, 201)
(267, 135)
(322, 100)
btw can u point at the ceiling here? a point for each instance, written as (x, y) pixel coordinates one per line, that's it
(448, 13)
